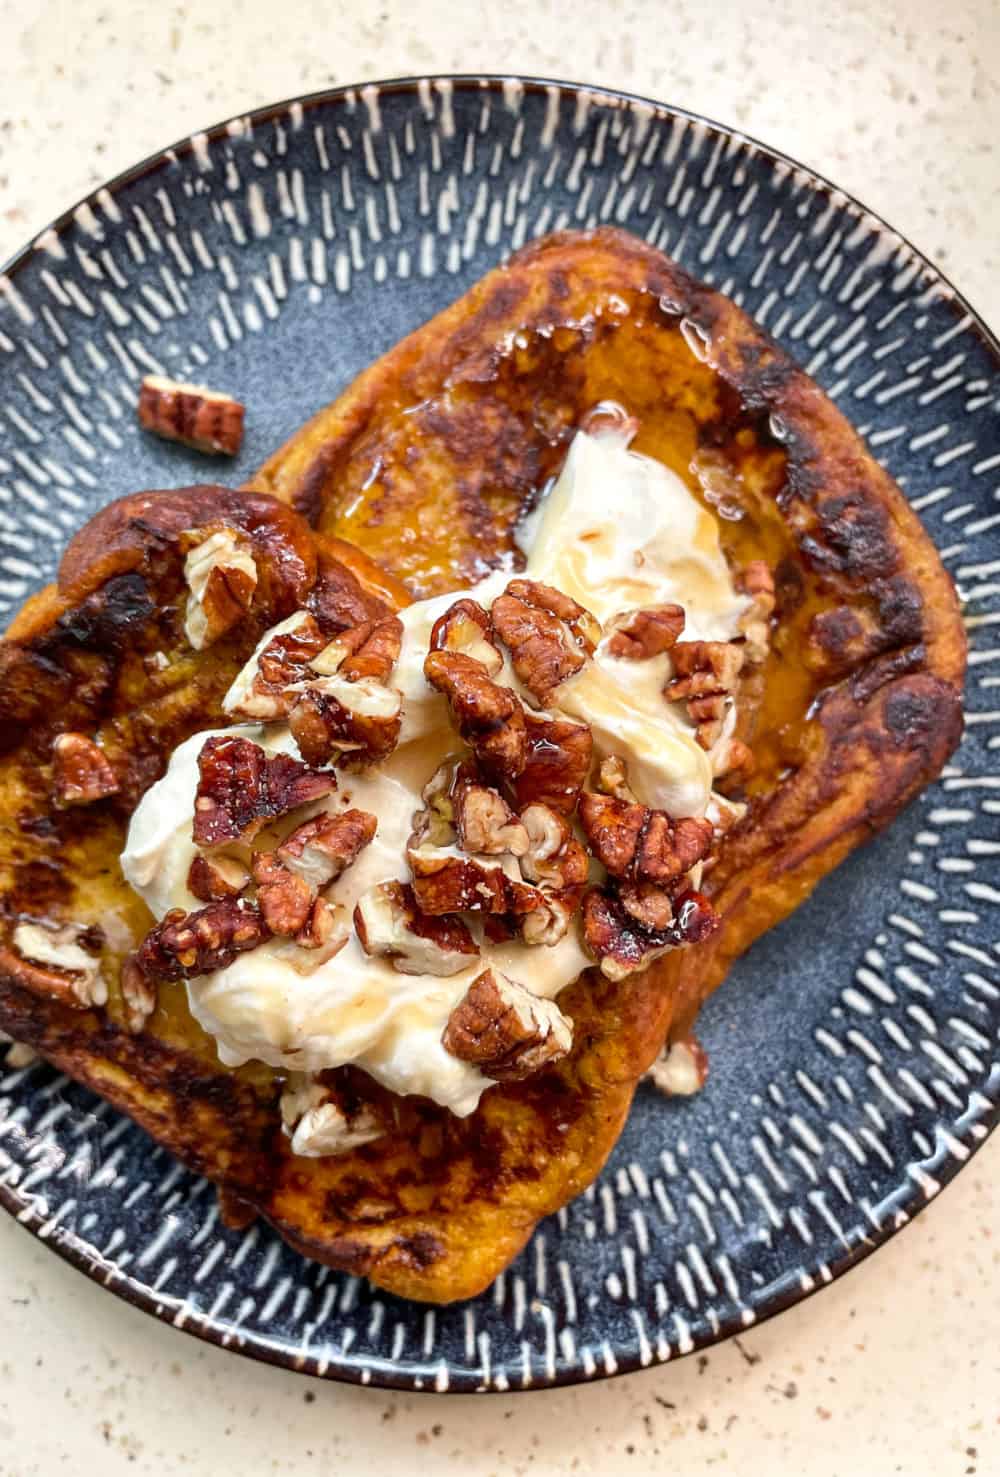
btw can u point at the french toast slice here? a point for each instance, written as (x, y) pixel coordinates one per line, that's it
(461, 425)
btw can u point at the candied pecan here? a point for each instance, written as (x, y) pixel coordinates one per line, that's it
(240, 788)
(210, 879)
(681, 1069)
(705, 674)
(485, 822)
(489, 717)
(51, 962)
(557, 862)
(320, 849)
(183, 944)
(81, 771)
(466, 627)
(558, 762)
(321, 1122)
(612, 779)
(757, 581)
(446, 883)
(369, 650)
(261, 689)
(584, 627)
(648, 903)
(138, 995)
(434, 825)
(323, 929)
(544, 648)
(191, 414)
(221, 575)
(504, 1030)
(389, 923)
(285, 901)
(621, 946)
(347, 722)
(640, 634)
(640, 844)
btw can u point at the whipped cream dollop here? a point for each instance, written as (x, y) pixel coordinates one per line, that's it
(617, 530)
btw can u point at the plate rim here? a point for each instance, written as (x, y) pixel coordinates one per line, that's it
(383, 1374)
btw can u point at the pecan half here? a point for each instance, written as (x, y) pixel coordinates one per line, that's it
(548, 635)
(184, 945)
(467, 628)
(221, 575)
(81, 771)
(489, 717)
(705, 675)
(645, 633)
(639, 844)
(389, 923)
(485, 822)
(757, 581)
(557, 763)
(504, 1030)
(622, 947)
(285, 900)
(321, 1122)
(319, 850)
(191, 414)
(211, 879)
(51, 962)
(240, 789)
(261, 689)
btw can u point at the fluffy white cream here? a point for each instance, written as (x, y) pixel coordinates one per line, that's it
(617, 530)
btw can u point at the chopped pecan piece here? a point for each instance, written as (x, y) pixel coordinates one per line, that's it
(184, 945)
(191, 414)
(489, 717)
(681, 1069)
(557, 764)
(557, 862)
(705, 674)
(621, 946)
(639, 844)
(138, 995)
(324, 929)
(241, 788)
(81, 771)
(548, 635)
(757, 581)
(446, 883)
(485, 822)
(221, 576)
(321, 1122)
(342, 709)
(434, 825)
(211, 879)
(365, 652)
(466, 627)
(389, 923)
(285, 900)
(640, 634)
(50, 961)
(320, 849)
(612, 779)
(504, 1030)
(261, 690)
(649, 904)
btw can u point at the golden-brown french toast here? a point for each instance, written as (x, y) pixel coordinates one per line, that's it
(425, 465)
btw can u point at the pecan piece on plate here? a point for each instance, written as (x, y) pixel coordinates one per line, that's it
(285, 900)
(621, 946)
(321, 849)
(504, 1030)
(191, 414)
(549, 636)
(557, 763)
(241, 788)
(183, 945)
(466, 627)
(639, 844)
(322, 1122)
(50, 961)
(705, 675)
(648, 632)
(489, 717)
(81, 771)
(262, 689)
(389, 923)
(211, 879)
(221, 575)
(485, 822)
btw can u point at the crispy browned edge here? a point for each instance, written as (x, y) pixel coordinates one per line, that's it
(886, 732)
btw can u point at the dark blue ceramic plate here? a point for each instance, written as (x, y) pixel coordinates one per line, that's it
(854, 1053)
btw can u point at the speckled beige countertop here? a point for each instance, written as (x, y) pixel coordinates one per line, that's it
(895, 1369)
